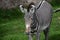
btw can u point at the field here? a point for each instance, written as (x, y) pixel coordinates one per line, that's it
(12, 26)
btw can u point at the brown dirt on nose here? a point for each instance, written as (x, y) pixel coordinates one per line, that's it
(28, 30)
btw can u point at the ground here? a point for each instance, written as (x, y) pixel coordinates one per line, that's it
(13, 29)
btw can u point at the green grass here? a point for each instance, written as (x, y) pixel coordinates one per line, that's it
(13, 26)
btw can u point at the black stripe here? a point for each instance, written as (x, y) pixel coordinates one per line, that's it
(40, 4)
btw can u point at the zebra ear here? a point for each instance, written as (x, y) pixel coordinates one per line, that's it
(32, 10)
(23, 10)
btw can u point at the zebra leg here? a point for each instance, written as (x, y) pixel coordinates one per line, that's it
(30, 37)
(37, 36)
(46, 31)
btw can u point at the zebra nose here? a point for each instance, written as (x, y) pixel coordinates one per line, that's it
(27, 33)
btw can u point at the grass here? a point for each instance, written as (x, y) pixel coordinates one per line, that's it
(12, 27)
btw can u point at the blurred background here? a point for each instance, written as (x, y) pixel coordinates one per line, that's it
(12, 24)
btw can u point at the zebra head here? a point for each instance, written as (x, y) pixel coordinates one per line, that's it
(29, 11)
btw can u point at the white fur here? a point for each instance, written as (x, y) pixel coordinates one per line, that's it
(27, 26)
(33, 6)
